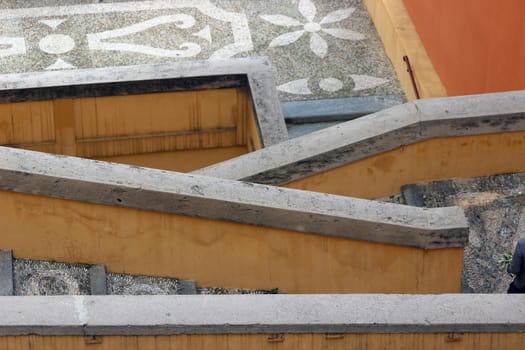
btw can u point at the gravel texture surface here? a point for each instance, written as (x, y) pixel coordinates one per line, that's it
(34, 277)
(495, 208)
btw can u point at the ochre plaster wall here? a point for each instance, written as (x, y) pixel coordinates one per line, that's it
(137, 128)
(411, 341)
(181, 161)
(477, 46)
(436, 159)
(218, 253)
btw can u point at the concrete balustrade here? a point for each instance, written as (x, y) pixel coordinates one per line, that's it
(374, 155)
(154, 222)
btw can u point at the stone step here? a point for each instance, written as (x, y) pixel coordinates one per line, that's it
(6, 273)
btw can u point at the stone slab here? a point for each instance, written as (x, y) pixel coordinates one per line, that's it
(97, 280)
(213, 198)
(342, 109)
(255, 74)
(374, 134)
(6, 273)
(256, 314)
(187, 287)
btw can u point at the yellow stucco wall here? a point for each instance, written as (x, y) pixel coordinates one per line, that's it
(436, 159)
(218, 253)
(137, 128)
(409, 341)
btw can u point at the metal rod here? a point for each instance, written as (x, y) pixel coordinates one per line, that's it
(411, 72)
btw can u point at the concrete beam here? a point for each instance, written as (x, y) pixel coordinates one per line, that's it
(374, 134)
(254, 73)
(254, 314)
(175, 193)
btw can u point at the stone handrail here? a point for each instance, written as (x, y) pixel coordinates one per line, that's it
(374, 134)
(213, 198)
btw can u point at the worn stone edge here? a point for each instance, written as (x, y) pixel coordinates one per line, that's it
(256, 314)
(401, 125)
(213, 198)
(253, 72)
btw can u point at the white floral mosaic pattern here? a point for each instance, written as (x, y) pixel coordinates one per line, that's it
(319, 48)
(317, 44)
(102, 41)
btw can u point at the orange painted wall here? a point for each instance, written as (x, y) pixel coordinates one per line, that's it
(477, 46)
(307, 341)
(218, 253)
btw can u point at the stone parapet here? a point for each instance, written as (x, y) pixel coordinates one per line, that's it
(377, 133)
(255, 314)
(226, 200)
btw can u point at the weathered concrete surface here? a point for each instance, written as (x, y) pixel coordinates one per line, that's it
(374, 134)
(250, 314)
(253, 73)
(6, 273)
(213, 198)
(495, 209)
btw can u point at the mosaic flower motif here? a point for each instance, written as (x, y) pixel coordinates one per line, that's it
(317, 44)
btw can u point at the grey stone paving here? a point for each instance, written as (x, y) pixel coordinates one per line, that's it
(319, 48)
(495, 208)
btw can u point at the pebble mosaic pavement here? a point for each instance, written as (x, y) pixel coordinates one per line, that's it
(319, 48)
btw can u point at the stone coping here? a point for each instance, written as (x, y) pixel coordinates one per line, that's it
(374, 134)
(253, 73)
(255, 314)
(339, 109)
(214, 198)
